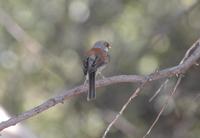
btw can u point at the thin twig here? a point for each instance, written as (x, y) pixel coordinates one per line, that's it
(126, 127)
(164, 106)
(135, 94)
(159, 90)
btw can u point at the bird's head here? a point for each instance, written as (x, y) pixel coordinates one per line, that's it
(103, 45)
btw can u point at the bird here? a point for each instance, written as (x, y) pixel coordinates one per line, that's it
(94, 62)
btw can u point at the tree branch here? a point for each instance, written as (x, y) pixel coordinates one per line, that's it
(169, 72)
(138, 90)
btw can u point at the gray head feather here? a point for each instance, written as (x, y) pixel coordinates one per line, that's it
(102, 45)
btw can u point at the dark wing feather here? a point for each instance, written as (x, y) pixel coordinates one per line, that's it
(85, 65)
(91, 63)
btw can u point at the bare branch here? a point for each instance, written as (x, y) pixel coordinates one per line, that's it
(137, 91)
(159, 89)
(163, 107)
(187, 55)
(122, 124)
(135, 94)
(169, 72)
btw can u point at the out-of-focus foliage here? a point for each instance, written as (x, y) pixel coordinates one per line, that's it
(42, 43)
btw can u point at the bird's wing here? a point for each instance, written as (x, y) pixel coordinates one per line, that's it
(95, 59)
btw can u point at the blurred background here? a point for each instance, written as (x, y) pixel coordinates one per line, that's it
(42, 43)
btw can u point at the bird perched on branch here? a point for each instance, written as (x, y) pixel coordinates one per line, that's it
(94, 62)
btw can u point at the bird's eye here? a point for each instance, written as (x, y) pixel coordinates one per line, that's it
(107, 45)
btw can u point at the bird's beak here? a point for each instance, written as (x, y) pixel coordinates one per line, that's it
(109, 46)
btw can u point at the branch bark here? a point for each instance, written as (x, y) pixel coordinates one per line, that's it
(165, 73)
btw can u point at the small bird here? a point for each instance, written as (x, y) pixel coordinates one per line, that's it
(94, 62)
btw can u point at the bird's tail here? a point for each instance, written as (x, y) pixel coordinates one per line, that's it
(92, 93)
